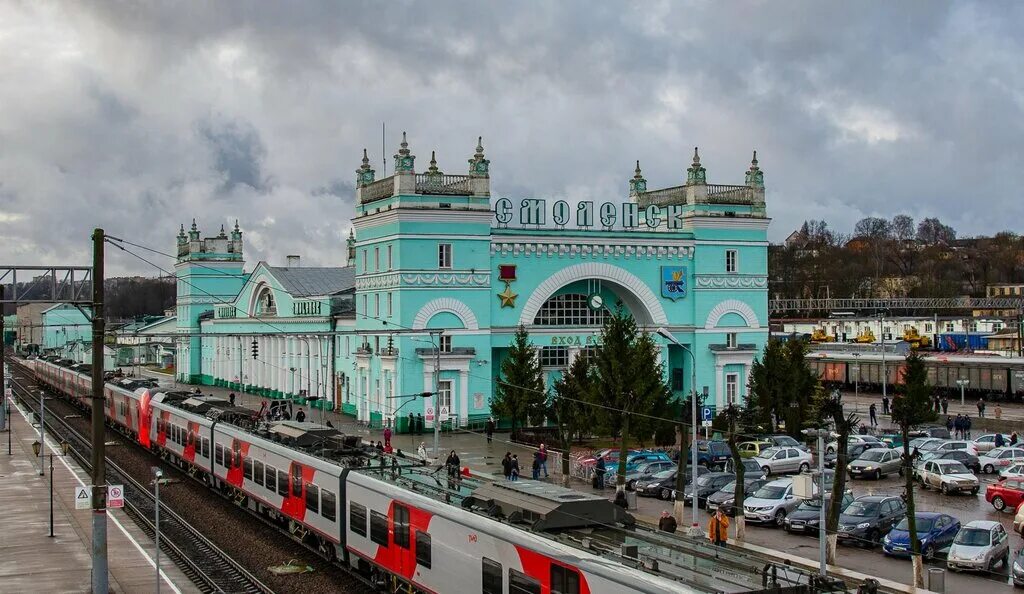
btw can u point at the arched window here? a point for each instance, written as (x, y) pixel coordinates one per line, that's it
(569, 309)
(265, 305)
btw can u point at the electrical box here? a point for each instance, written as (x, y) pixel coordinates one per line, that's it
(803, 486)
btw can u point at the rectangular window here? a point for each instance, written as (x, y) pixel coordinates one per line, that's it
(677, 379)
(364, 262)
(363, 309)
(564, 580)
(270, 479)
(444, 255)
(282, 483)
(257, 472)
(492, 582)
(247, 468)
(402, 526)
(313, 498)
(444, 394)
(390, 303)
(520, 583)
(732, 382)
(445, 343)
(376, 259)
(730, 261)
(379, 528)
(357, 518)
(328, 504)
(219, 453)
(553, 356)
(376, 305)
(206, 448)
(949, 326)
(422, 549)
(348, 346)
(730, 340)
(389, 258)
(928, 328)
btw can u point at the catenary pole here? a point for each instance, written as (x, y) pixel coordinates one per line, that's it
(99, 489)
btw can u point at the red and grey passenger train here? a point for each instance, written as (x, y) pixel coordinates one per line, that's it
(371, 524)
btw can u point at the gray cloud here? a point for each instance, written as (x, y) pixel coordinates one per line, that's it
(138, 118)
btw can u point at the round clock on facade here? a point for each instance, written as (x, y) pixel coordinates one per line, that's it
(595, 301)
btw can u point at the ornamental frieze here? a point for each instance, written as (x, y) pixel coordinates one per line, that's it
(587, 250)
(731, 281)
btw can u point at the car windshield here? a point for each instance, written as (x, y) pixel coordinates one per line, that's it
(664, 474)
(730, 488)
(872, 455)
(954, 468)
(870, 438)
(808, 504)
(705, 480)
(973, 537)
(923, 524)
(863, 509)
(786, 440)
(770, 492)
(769, 452)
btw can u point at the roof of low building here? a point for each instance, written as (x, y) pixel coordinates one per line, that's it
(308, 281)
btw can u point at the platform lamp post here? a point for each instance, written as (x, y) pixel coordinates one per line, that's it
(38, 450)
(159, 477)
(695, 528)
(820, 434)
(855, 368)
(962, 382)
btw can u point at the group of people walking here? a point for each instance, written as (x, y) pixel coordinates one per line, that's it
(960, 427)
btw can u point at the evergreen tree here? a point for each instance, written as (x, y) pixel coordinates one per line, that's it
(801, 385)
(768, 376)
(569, 406)
(519, 390)
(911, 407)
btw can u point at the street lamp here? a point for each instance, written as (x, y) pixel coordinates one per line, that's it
(37, 449)
(159, 474)
(820, 434)
(962, 382)
(695, 528)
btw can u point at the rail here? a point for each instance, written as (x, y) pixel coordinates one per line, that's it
(723, 194)
(436, 183)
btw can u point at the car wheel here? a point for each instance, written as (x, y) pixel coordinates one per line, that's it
(665, 495)
(901, 471)
(998, 503)
(766, 470)
(780, 517)
(804, 467)
(989, 469)
(631, 486)
(945, 489)
(928, 554)
(974, 491)
(878, 474)
(872, 540)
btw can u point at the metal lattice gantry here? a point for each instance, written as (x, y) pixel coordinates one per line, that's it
(46, 284)
(776, 306)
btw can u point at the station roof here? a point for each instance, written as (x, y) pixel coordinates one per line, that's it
(546, 506)
(314, 281)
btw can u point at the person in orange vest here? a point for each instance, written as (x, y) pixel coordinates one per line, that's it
(718, 528)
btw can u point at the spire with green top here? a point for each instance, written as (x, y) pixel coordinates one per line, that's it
(696, 174)
(404, 159)
(364, 175)
(755, 177)
(638, 184)
(478, 165)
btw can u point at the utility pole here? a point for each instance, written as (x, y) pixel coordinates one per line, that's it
(881, 330)
(99, 487)
(4, 421)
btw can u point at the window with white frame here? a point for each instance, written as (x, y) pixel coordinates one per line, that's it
(731, 260)
(444, 394)
(554, 356)
(390, 303)
(730, 340)
(997, 326)
(445, 343)
(364, 261)
(444, 255)
(376, 259)
(974, 326)
(732, 386)
(363, 309)
(928, 328)
(569, 309)
(376, 305)
(949, 326)
(390, 261)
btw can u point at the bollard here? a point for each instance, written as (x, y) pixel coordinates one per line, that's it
(937, 580)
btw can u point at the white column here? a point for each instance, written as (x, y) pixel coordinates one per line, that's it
(273, 362)
(463, 397)
(428, 386)
(282, 375)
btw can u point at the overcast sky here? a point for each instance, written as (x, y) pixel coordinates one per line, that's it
(138, 119)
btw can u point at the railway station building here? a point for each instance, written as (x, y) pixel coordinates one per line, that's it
(440, 273)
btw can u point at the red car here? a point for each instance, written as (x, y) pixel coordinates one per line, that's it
(1005, 494)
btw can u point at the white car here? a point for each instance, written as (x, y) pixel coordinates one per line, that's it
(783, 460)
(957, 444)
(985, 443)
(771, 503)
(1015, 470)
(999, 458)
(949, 476)
(925, 444)
(830, 447)
(980, 545)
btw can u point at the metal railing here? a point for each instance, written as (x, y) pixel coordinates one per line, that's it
(900, 303)
(455, 185)
(722, 194)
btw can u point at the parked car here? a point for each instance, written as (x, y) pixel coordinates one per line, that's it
(961, 456)
(853, 451)
(869, 518)
(634, 460)
(783, 460)
(771, 503)
(1018, 520)
(751, 469)
(643, 470)
(751, 449)
(1015, 470)
(980, 545)
(957, 444)
(925, 444)
(806, 518)
(935, 531)
(870, 440)
(948, 476)
(713, 454)
(783, 441)
(1017, 569)
(999, 458)
(876, 462)
(726, 496)
(985, 443)
(663, 484)
(707, 485)
(610, 455)
(930, 431)
(1005, 494)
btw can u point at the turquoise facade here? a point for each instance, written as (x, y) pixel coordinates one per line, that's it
(435, 261)
(65, 325)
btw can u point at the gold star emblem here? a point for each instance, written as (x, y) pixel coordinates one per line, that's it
(507, 297)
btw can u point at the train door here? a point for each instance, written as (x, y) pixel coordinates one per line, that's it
(294, 503)
(189, 453)
(161, 428)
(234, 459)
(145, 411)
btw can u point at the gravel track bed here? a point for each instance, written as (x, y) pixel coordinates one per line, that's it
(252, 543)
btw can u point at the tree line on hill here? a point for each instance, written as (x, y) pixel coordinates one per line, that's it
(126, 297)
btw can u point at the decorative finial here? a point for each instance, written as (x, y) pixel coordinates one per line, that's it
(405, 145)
(696, 156)
(404, 160)
(753, 161)
(754, 176)
(366, 159)
(638, 184)
(222, 233)
(194, 225)
(433, 163)
(182, 230)
(479, 147)
(364, 175)
(696, 174)
(236, 225)
(479, 165)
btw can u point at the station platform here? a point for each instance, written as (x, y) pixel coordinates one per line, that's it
(32, 561)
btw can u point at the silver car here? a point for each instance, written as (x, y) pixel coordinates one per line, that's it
(980, 545)
(783, 460)
(771, 503)
(949, 476)
(876, 463)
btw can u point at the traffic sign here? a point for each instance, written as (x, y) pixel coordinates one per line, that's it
(115, 496)
(430, 414)
(706, 423)
(444, 414)
(706, 414)
(82, 498)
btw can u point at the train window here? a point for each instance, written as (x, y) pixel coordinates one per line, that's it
(564, 580)
(282, 483)
(313, 498)
(520, 583)
(379, 528)
(492, 582)
(206, 448)
(402, 526)
(356, 517)
(423, 549)
(296, 480)
(257, 472)
(218, 451)
(271, 478)
(328, 503)
(247, 468)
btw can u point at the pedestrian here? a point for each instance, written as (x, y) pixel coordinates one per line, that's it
(379, 446)
(489, 429)
(999, 411)
(885, 405)
(1013, 438)
(411, 427)
(981, 408)
(515, 467)
(300, 416)
(536, 466)
(419, 423)
(544, 459)
(945, 405)
(967, 426)
(873, 415)
(718, 528)
(599, 470)
(667, 523)
(935, 404)
(387, 436)
(999, 441)
(949, 424)
(231, 399)
(958, 425)
(422, 450)
(506, 466)
(452, 464)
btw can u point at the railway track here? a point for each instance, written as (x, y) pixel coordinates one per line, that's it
(209, 567)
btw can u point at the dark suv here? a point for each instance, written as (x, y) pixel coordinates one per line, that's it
(869, 518)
